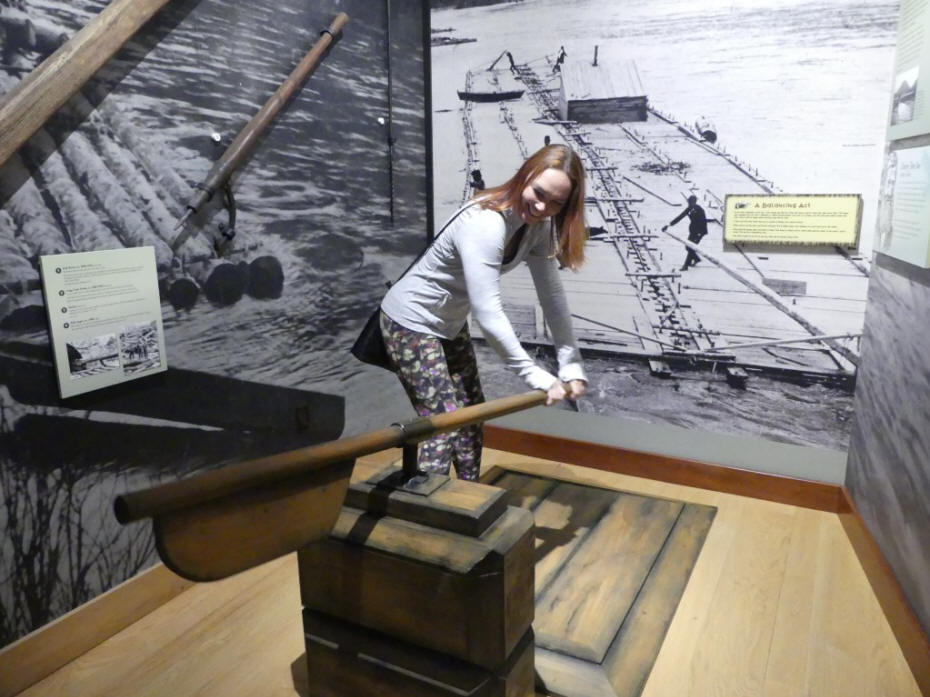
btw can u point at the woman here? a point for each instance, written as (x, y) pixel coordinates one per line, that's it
(538, 217)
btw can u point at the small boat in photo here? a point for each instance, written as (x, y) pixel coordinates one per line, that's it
(490, 86)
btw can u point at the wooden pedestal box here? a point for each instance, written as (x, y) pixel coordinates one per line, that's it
(344, 660)
(467, 596)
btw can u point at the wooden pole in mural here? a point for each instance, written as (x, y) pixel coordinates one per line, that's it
(241, 147)
(773, 298)
(40, 94)
(224, 521)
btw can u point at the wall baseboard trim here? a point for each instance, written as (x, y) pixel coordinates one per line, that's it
(831, 498)
(40, 653)
(820, 496)
(914, 643)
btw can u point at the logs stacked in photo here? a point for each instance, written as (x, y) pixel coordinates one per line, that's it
(90, 180)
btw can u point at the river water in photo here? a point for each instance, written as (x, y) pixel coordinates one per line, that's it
(798, 90)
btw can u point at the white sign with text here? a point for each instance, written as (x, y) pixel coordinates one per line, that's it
(104, 317)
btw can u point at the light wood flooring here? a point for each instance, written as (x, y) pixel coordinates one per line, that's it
(777, 606)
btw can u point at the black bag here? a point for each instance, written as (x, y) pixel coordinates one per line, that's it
(369, 346)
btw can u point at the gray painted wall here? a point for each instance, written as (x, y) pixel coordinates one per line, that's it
(743, 452)
(888, 471)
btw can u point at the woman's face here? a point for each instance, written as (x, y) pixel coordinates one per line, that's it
(545, 195)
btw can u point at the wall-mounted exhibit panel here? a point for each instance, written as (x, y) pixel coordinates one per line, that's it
(904, 224)
(812, 219)
(909, 114)
(104, 317)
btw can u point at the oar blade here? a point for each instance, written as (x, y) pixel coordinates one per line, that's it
(219, 538)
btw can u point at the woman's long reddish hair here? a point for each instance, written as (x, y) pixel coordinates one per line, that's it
(569, 222)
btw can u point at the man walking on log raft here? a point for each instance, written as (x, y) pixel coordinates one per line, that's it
(536, 216)
(697, 229)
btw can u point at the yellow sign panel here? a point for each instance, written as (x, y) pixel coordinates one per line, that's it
(828, 219)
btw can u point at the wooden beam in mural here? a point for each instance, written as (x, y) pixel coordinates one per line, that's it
(772, 297)
(40, 94)
(245, 141)
(227, 520)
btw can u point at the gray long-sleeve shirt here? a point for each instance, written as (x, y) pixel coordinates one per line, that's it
(461, 272)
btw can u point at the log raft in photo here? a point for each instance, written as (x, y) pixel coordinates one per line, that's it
(13, 255)
(103, 190)
(83, 227)
(129, 190)
(25, 34)
(21, 306)
(35, 225)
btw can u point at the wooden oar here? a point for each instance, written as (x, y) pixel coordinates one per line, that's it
(221, 522)
(245, 141)
(39, 95)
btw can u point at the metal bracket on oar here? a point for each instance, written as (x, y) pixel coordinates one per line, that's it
(410, 478)
(227, 230)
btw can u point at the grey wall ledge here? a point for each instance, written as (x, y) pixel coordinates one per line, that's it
(742, 452)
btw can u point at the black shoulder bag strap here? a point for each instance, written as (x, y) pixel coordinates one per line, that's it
(426, 248)
(369, 346)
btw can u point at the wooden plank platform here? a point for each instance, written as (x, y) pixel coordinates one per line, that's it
(610, 569)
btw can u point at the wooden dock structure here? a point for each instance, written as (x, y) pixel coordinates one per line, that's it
(631, 298)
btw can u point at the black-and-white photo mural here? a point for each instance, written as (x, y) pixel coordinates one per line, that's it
(674, 105)
(330, 205)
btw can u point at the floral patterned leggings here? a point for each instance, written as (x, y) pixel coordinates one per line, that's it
(439, 375)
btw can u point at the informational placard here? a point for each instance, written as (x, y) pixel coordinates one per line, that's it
(104, 316)
(816, 219)
(909, 115)
(904, 208)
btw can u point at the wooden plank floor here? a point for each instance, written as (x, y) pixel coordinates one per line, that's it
(611, 567)
(777, 606)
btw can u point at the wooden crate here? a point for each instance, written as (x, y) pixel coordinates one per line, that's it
(470, 597)
(344, 660)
